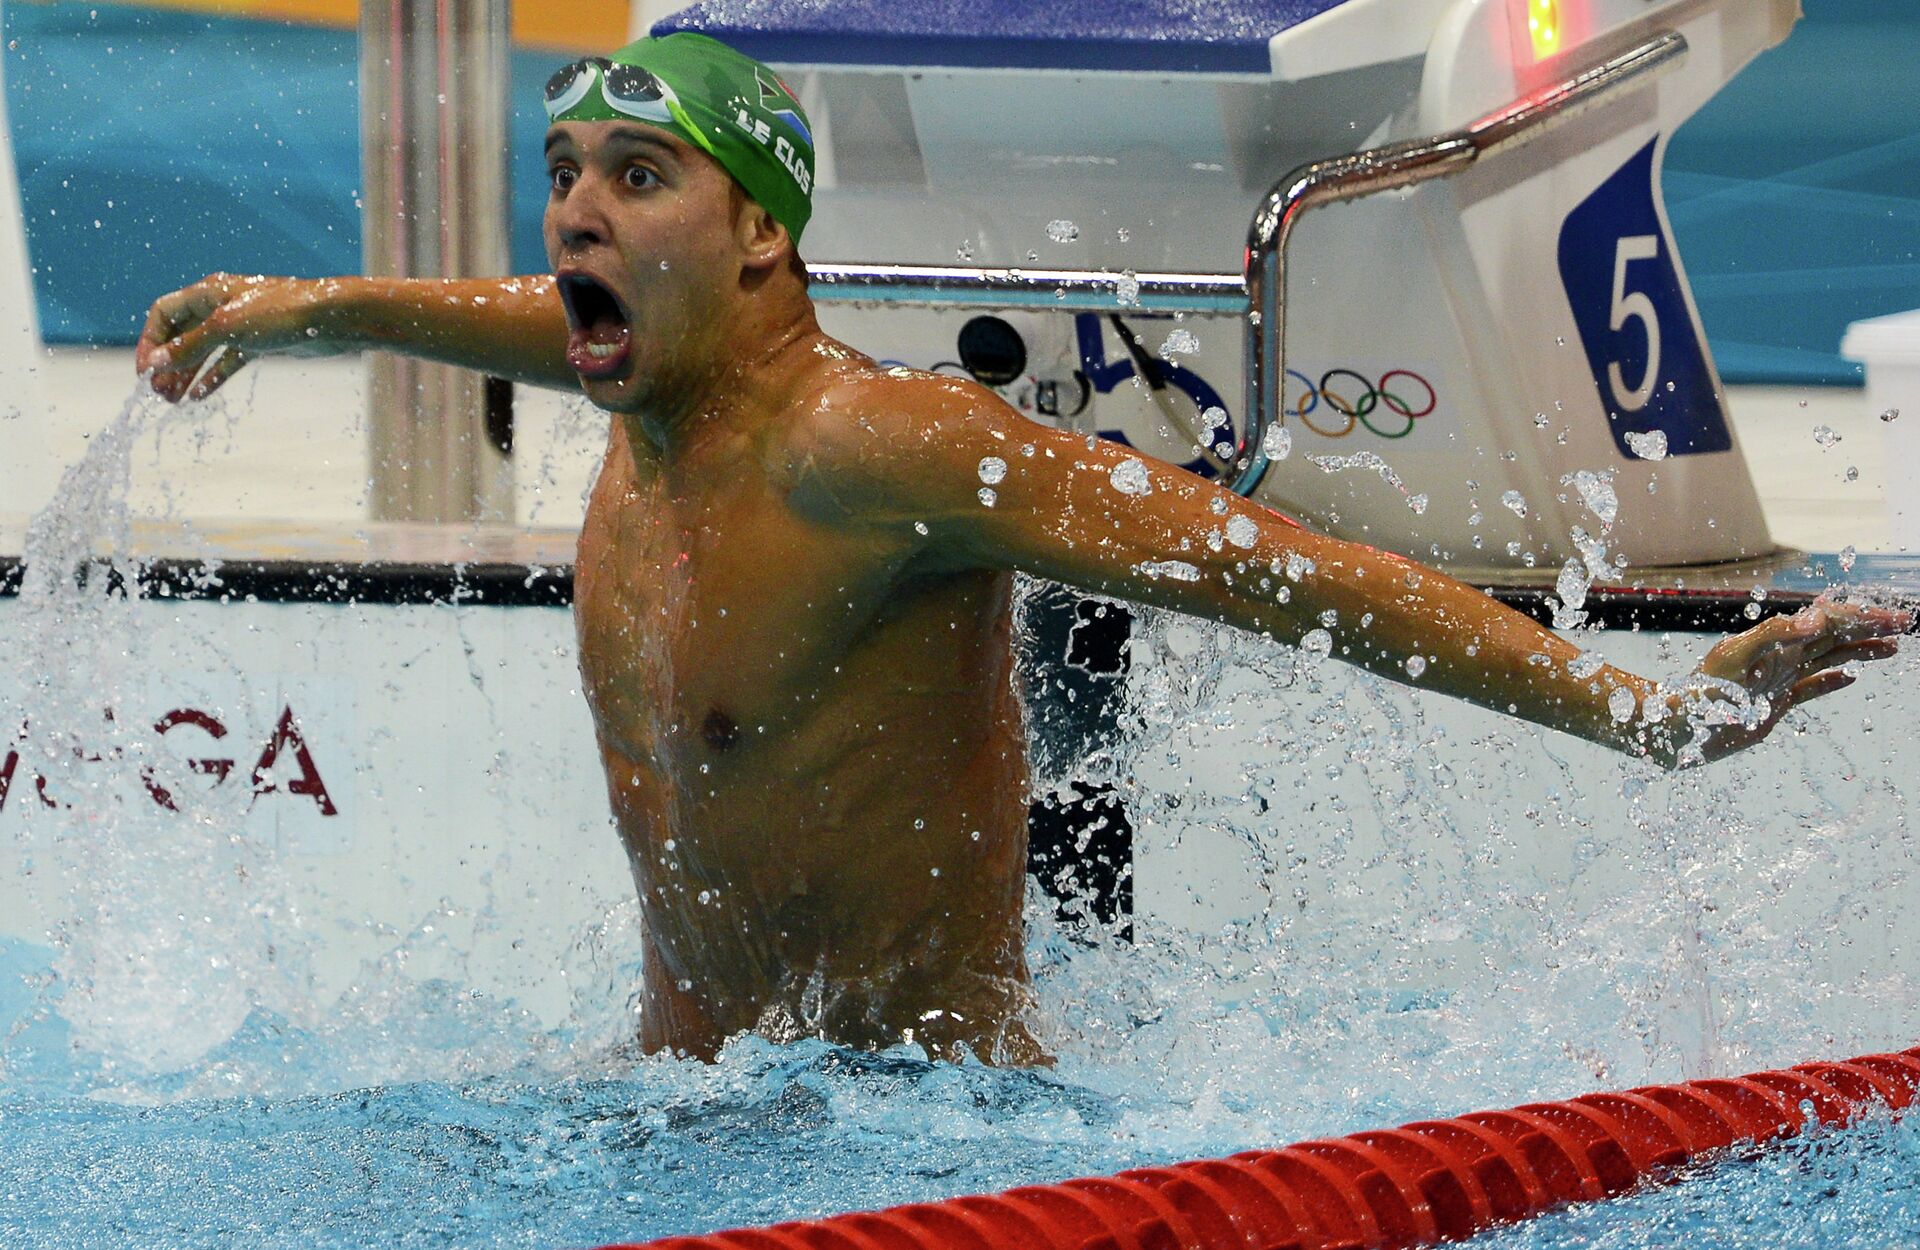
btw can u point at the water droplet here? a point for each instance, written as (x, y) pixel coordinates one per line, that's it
(1318, 643)
(1178, 570)
(1890, 415)
(1126, 289)
(1180, 343)
(1751, 611)
(1651, 445)
(987, 497)
(1062, 231)
(1825, 436)
(920, 527)
(1277, 443)
(1242, 531)
(1129, 477)
(1853, 473)
(1847, 558)
(1621, 705)
(706, 896)
(993, 470)
(1514, 502)
(1596, 491)
(1418, 503)
(1416, 665)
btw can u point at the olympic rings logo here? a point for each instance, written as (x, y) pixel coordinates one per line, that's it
(1351, 396)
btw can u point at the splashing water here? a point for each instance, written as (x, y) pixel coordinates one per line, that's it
(1277, 443)
(1651, 445)
(1181, 342)
(1351, 900)
(1596, 492)
(1129, 477)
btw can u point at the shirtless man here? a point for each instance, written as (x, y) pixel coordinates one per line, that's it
(793, 603)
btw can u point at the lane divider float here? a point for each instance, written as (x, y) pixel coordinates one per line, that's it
(1430, 1181)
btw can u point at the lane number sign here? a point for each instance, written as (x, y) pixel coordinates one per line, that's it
(1617, 266)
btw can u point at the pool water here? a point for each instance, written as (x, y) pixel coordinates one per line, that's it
(655, 1147)
(171, 1076)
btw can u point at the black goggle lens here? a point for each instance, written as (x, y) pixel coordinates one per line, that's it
(632, 84)
(567, 75)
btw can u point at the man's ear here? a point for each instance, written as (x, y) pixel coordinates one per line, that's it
(764, 242)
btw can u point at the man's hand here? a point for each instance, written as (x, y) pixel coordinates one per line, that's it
(1749, 681)
(245, 316)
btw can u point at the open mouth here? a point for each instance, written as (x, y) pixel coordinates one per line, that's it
(601, 334)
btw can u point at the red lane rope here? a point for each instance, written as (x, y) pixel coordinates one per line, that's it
(1409, 1186)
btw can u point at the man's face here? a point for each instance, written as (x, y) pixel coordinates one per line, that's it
(640, 234)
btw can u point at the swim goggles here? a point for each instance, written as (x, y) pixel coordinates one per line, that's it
(627, 89)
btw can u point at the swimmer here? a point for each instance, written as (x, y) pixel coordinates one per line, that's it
(793, 592)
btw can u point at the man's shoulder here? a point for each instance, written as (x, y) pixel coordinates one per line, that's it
(895, 397)
(870, 434)
(872, 413)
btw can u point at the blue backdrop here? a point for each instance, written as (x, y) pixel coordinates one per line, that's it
(156, 146)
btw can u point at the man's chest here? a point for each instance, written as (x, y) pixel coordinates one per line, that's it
(718, 613)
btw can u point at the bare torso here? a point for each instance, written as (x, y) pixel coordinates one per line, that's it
(814, 749)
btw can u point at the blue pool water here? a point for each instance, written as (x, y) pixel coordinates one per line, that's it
(659, 1147)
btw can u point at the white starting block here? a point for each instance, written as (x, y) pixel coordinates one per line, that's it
(1460, 346)
(22, 411)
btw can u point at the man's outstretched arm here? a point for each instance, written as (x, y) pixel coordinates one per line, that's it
(513, 328)
(1102, 517)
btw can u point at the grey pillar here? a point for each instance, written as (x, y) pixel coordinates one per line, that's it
(433, 141)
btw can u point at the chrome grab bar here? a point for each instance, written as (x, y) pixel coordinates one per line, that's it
(1388, 168)
(1061, 290)
(1259, 294)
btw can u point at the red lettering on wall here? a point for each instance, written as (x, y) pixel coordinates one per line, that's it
(215, 768)
(7, 768)
(285, 746)
(287, 734)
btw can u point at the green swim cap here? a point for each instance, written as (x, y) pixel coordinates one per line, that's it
(730, 106)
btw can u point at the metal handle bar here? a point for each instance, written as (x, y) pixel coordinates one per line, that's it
(1260, 294)
(1380, 169)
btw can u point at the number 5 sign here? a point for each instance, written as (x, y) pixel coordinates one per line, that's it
(1616, 263)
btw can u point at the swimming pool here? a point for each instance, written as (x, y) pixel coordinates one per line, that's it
(1348, 911)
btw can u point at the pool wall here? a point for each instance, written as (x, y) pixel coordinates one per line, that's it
(404, 777)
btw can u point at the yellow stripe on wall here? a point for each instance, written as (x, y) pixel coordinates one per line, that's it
(566, 25)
